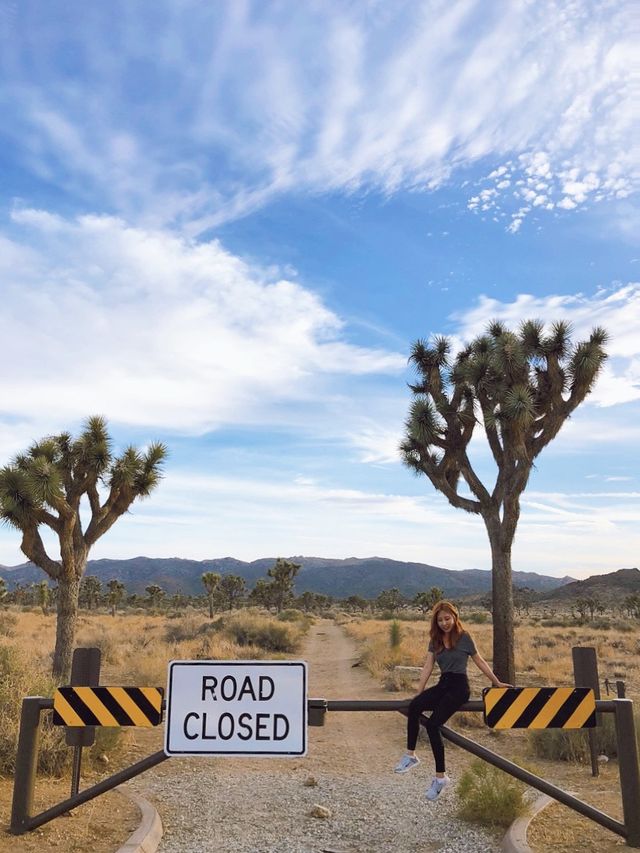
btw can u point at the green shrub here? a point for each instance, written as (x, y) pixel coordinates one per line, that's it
(267, 634)
(573, 745)
(477, 617)
(395, 634)
(292, 615)
(19, 678)
(490, 796)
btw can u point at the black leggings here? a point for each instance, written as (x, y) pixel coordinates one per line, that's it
(443, 699)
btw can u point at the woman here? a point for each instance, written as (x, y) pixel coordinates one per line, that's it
(451, 646)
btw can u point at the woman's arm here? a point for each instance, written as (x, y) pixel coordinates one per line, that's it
(427, 669)
(484, 667)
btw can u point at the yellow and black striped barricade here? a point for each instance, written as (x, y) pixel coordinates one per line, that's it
(539, 707)
(108, 706)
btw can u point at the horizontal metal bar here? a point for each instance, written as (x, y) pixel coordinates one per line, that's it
(602, 705)
(100, 788)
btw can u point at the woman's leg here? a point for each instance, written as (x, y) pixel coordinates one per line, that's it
(455, 696)
(428, 700)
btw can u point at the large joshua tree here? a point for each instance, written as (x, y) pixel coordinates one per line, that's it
(521, 387)
(53, 484)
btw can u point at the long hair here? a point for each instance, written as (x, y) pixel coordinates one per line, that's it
(436, 635)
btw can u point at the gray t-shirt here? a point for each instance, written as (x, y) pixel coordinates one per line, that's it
(455, 660)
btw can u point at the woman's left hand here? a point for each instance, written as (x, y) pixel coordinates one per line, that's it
(503, 684)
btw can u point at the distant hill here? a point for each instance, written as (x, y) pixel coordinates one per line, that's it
(609, 588)
(339, 578)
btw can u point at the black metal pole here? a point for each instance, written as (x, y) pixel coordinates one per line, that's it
(585, 674)
(95, 791)
(75, 770)
(26, 763)
(629, 772)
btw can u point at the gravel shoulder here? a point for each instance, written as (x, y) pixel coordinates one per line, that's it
(263, 805)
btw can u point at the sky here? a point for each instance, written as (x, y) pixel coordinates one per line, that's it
(222, 226)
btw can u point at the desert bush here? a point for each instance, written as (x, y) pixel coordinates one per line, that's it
(395, 634)
(292, 615)
(19, 678)
(573, 745)
(477, 617)
(110, 741)
(186, 628)
(487, 795)
(109, 642)
(248, 629)
(8, 624)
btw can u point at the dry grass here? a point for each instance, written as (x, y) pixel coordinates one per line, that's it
(543, 653)
(136, 649)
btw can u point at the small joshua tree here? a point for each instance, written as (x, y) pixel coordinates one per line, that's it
(48, 486)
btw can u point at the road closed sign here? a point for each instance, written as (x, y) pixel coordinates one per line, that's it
(236, 708)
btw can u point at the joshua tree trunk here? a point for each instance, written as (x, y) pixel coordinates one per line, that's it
(68, 589)
(502, 599)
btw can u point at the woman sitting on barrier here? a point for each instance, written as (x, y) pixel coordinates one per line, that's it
(450, 646)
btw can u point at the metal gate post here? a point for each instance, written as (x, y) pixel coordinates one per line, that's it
(26, 765)
(585, 674)
(629, 771)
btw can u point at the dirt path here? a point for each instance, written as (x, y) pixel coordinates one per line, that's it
(262, 805)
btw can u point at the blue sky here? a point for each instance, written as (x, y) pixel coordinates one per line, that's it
(222, 225)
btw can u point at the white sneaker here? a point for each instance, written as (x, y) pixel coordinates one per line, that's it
(437, 787)
(406, 763)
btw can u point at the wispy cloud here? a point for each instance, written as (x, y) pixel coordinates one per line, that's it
(152, 329)
(197, 113)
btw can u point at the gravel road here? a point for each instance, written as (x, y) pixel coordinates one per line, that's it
(236, 805)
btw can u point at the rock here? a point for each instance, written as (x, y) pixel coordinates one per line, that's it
(310, 782)
(103, 758)
(320, 811)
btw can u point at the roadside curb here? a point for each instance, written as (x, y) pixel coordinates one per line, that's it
(515, 840)
(147, 836)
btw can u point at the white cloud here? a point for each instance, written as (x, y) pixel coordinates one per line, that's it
(325, 97)
(152, 329)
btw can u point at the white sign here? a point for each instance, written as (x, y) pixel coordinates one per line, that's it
(236, 708)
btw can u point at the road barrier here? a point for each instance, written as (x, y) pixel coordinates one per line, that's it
(23, 821)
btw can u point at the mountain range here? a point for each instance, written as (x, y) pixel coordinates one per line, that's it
(340, 578)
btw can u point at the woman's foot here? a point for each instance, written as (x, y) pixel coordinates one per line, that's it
(406, 763)
(438, 784)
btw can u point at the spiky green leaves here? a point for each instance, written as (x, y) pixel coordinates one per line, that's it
(18, 501)
(138, 473)
(526, 384)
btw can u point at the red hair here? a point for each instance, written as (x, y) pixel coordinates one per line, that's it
(436, 635)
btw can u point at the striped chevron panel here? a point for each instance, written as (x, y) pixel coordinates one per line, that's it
(107, 706)
(539, 707)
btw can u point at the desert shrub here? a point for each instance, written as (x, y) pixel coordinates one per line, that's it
(292, 615)
(557, 623)
(247, 629)
(20, 678)
(110, 741)
(107, 641)
(487, 795)
(187, 628)
(477, 617)
(573, 745)
(8, 624)
(395, 634)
